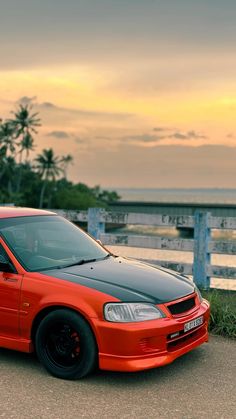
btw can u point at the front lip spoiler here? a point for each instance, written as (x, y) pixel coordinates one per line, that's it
(144, 362)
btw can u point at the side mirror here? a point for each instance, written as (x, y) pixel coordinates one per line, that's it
(5, 264)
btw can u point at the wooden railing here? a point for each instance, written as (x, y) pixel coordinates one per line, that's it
(202, 245)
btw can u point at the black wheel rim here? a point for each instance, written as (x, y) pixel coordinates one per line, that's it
(63, 345)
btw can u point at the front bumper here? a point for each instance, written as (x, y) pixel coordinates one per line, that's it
(144, 345)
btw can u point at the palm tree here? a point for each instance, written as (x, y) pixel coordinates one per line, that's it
(24, 123)
(7, 137)
(27, 145)
(66, 160)
(7, 145)
(48, 166)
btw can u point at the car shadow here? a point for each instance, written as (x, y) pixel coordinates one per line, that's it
(187, 363)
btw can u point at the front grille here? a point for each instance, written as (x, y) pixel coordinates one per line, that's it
(181, 307)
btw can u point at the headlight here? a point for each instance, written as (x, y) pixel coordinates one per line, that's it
(199, 294)
(131, 312)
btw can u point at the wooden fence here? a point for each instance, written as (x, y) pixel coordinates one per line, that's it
(202, 245)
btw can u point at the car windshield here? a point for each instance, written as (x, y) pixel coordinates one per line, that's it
(49, 242)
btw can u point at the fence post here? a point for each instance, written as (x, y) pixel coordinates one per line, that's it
(202, 257)
(95, 225)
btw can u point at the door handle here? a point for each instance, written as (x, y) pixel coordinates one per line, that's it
(9, 279)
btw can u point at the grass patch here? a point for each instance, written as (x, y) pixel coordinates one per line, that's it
(223, 312)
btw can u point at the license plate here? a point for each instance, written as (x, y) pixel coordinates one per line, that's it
(194, 323)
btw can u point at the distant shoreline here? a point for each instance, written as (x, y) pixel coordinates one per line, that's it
(171, 189)
(178, 195)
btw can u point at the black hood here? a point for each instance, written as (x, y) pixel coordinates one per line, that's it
(128, 280)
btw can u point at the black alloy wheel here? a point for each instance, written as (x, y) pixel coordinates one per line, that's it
(65, 344)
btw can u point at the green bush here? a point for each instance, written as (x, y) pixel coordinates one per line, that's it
(223, 312)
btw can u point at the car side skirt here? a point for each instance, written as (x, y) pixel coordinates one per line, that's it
(22, 345)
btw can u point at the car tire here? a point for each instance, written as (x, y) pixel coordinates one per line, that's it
(65, 345)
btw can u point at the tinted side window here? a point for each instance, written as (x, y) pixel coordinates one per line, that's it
(9, 268)
(3, 252)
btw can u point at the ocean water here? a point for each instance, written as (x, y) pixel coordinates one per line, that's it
(201, 195)
(214, 196)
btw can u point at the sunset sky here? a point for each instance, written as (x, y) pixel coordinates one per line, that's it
(141, 93)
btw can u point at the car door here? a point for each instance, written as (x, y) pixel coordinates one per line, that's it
(10, 285)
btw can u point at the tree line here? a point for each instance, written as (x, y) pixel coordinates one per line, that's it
(40, 182)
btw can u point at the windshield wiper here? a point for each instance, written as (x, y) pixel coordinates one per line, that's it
(79, 262)
(107, 256)
(83, 261)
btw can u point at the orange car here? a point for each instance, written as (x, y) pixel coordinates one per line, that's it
(77, 305)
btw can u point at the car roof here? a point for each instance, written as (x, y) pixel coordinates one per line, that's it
(10, 212)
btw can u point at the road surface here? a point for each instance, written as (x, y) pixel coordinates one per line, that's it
(201, 384)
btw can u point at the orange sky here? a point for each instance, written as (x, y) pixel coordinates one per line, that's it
(142, 94)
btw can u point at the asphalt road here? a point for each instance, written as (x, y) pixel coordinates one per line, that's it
(201, 384)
